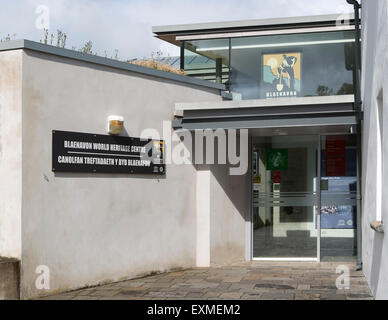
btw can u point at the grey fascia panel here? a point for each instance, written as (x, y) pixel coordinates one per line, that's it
(316, 19)
(294, 111)
(76, 55)
(267, 123)
(257, 103)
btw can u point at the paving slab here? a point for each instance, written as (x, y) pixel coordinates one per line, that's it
(247, 280)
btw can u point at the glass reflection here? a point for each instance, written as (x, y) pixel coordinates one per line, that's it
(291, 65)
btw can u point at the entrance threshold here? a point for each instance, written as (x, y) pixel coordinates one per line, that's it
(286, 259)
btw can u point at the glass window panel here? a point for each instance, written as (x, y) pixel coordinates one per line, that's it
(311, 64)
(207, 60)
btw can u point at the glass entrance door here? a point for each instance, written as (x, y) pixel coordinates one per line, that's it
(304, 197)
(338, 214)
(285, 197)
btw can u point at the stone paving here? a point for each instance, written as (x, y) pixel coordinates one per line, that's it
(250, 280)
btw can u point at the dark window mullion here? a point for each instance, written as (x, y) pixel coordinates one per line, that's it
(230, 63)
(182, 61)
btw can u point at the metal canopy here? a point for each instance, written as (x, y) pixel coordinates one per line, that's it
(240, 123)
(325, 113)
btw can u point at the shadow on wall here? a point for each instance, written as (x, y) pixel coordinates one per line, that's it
(228, 244)
(376, 261)
(229, 207)
(235, 187)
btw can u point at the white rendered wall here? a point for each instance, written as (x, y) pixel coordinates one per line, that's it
(90, 228)
(203, 218)
(224, 206)
(10, 153)
(375, 150)
(229, 209)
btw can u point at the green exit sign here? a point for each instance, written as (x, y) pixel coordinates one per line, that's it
(277, 159)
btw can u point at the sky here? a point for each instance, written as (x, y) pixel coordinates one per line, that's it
(126, 25)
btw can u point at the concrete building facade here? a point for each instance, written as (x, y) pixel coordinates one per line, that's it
(284, 88)
(375, 145)
(89, 228)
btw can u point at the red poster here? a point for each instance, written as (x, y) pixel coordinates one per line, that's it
(276, 176)
(335, 156)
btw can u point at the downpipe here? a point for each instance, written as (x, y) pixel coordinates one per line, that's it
(359, 118)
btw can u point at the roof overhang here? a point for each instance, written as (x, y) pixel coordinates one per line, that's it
(303, 112)
(170, 33)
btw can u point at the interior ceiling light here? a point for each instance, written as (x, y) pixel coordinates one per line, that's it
(273, 45)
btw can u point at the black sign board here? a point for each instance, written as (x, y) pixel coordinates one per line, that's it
(85, 152)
